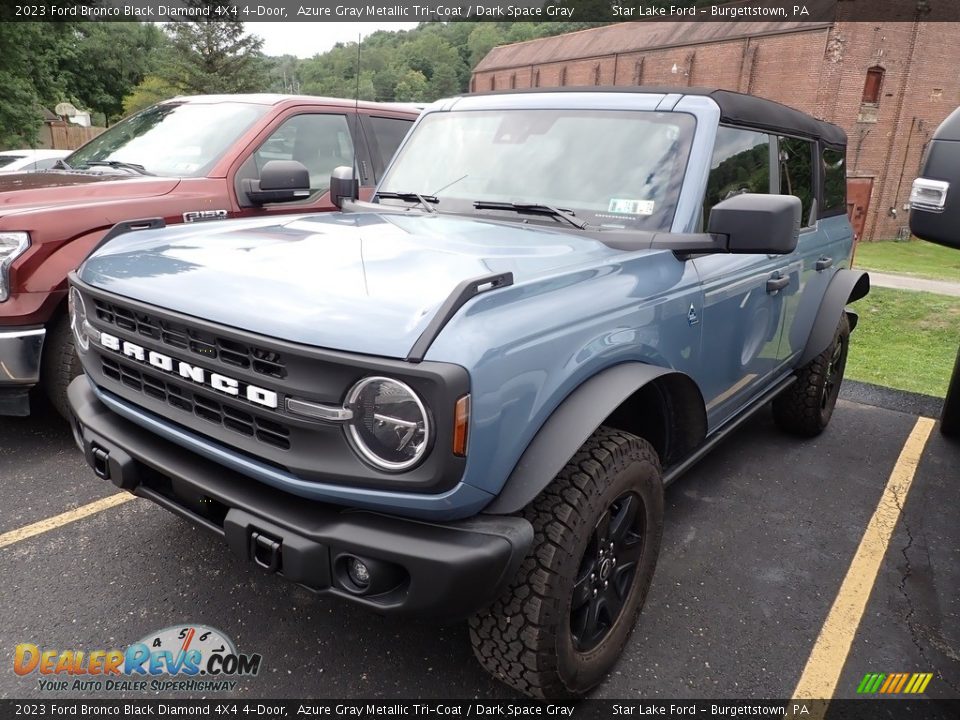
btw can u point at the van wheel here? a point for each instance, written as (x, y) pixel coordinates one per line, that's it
(805, 408)
(60, 364)
(562, 624)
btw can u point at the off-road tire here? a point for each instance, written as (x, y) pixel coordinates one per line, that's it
(805, 408)
(60, 364)
(525, 638)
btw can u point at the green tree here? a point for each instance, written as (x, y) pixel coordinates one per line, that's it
(108, 60)
(31, 75)
(152, 90)
(213, 55)
(412, 87)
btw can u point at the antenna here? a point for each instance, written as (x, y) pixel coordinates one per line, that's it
(356, 120)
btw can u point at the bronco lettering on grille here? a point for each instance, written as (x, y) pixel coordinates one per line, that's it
(216, 381)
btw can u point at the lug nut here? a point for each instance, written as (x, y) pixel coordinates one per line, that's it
(611, 546)
(605, 583)
(593, 576)
(594, 592)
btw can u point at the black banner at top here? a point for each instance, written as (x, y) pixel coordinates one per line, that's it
(484, 10)
(230, 708)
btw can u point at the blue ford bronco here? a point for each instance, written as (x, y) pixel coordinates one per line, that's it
(465, 398)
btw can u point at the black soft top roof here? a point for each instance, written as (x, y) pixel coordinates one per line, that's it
(739, 109)
(735, 108)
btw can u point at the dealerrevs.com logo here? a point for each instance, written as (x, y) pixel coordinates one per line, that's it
(188, 658)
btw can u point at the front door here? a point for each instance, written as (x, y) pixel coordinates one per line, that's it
(743, 295)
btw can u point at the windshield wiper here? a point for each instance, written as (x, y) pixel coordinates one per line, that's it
(119, 165)
(561, 213)
(424, 200)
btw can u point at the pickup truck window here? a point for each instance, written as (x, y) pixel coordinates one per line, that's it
(615, 169)
(171, 139)
(321, 142)
(389, 132)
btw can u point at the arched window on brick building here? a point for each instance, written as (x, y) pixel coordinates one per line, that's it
(872, 85)
(513, 81)
(493, 82)
(536, 78)
(563, 76)
(596, 74)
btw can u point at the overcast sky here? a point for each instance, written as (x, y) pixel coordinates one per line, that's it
(306, 39)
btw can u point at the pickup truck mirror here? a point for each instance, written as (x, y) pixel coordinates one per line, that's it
(279, 181)
(343, 185)
(935, 197)
(756, 223)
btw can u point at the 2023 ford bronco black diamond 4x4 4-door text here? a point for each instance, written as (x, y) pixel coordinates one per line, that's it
(465, 398)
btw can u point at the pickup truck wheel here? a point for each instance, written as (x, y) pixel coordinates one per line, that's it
(805, 408)
(562, 624)
(60, 364)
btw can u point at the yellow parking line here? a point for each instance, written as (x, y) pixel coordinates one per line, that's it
(62, 519)
(820, 676)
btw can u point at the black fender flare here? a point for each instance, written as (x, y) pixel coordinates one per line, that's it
(578, 416)
(846, 286)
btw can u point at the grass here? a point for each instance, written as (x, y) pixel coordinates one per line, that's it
(905, 340)
(916, 257)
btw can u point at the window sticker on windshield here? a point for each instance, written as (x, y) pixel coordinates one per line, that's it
(631, 207)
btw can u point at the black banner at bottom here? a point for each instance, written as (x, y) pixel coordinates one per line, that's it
(867, 709)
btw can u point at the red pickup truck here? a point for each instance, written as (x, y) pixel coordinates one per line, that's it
(189, 159)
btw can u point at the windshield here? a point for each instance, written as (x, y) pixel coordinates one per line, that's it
(613, 169)
(172, 139)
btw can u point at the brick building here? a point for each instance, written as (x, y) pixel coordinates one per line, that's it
(888, 84)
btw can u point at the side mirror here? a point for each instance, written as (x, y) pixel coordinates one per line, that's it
(756, 223)
(935, 197)
(343, 185)
(279, 181)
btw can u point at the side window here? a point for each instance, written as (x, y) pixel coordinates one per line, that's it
(389, 132)
(320, 142)
(740, 164)
(796, 174)
(834, 182)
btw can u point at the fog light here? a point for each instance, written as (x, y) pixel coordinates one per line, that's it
(358, 572)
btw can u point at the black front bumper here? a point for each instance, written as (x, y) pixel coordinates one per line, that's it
(444, 570)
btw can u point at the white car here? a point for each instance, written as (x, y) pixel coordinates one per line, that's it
(29, 160)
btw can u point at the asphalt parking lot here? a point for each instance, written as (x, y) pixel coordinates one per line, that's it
(759, 539)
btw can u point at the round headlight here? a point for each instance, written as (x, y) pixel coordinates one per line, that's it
(390, 427)
(78, 319)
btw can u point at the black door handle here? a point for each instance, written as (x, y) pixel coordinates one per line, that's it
(777, 283)
(823, 263)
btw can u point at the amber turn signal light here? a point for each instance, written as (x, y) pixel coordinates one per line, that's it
(461, 426)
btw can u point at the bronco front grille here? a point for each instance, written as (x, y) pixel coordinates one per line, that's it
(203, 406)
(205, 345)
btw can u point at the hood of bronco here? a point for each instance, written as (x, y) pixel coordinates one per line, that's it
(367, 283)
